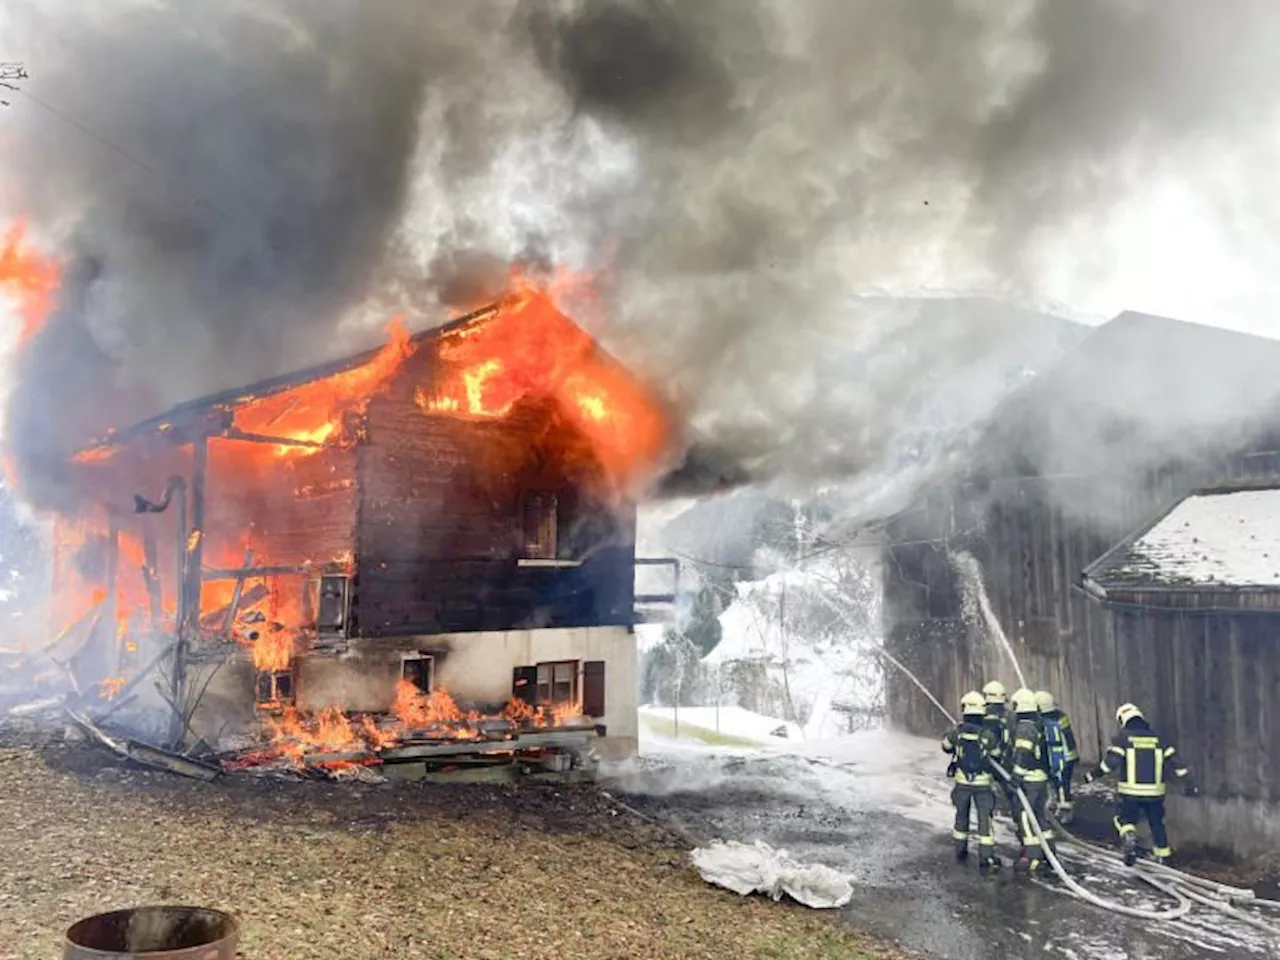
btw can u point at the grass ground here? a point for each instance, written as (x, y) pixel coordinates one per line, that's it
(662, 727)
(345, 871)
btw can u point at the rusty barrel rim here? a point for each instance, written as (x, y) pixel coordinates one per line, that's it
(80, 940)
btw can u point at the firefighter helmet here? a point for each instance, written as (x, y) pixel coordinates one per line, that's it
(973, 703)
(1044, 700)
(1126, 713)
(994, 692)
(1024, 701)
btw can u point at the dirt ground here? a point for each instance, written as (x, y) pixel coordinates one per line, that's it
(346, 871)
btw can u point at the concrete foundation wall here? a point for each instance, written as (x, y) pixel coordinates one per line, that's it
(1248, 829)
(475, 668)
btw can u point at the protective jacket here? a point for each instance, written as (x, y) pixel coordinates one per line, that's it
(1059, 741)
(1030, 757)
(972, 747)
(1141, 760)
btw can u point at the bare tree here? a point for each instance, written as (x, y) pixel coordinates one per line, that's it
(10, 73)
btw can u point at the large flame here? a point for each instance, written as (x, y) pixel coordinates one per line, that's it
(313, 413)
(530, 350)
(28, 278)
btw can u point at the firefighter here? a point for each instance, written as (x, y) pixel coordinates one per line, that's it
(1141, 759)
(972, 747)
(1031, 774)
(1060, 740)
(997, 721)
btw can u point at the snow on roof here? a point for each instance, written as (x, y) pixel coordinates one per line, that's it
(1224, 539)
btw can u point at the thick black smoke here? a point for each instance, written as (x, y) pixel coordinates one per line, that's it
(226, 175)
(256, 180)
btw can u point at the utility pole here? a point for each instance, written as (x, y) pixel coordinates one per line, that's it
(10, 73)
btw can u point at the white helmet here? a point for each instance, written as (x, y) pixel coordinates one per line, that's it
(1126, 713)
(994, 692)
(1044, 700)
(1024, 701)
(973, 703)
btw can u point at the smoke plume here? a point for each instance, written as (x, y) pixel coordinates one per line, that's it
(254, 184)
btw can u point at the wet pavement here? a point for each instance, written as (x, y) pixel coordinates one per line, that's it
(889, 832)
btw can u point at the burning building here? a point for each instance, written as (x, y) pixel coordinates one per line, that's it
(434, 537)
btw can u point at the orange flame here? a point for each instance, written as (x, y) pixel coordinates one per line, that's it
(312, 413)
(432, 711)
(273, 650)
(530, 350)
(110, 688)
(29, 278)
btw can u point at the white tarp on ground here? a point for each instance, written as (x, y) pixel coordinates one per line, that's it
(758, 868)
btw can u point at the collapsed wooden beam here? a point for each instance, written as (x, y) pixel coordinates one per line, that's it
(210, 573)
(236, 434)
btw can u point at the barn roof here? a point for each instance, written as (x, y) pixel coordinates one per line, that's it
(1217, 541)
(1139, 387)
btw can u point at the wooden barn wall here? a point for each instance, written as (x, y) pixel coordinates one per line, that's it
(1032, 551)
(1208, 682)
(439, 529)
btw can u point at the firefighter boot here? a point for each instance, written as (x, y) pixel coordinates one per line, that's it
(1066, 812)
(962, 850)
(990, 864)
(1130, 849)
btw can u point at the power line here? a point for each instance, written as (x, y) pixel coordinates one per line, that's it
(103, 141)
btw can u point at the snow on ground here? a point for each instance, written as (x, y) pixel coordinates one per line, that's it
(1232, 539)
(725, 721)
(822, 657)
(879, 770)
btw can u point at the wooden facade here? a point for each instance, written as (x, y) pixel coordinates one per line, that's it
(467, 525)
(1066, 468)
(1032, 549)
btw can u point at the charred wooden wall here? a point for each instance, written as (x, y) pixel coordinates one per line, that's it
(440, 529)
(290, 510)
(1033, 537)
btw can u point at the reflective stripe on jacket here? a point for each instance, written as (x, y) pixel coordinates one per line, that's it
(1141, 762)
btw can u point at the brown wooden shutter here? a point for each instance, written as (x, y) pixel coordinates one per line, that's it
(524, 684)
(593, 688)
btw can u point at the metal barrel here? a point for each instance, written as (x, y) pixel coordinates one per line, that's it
(155, 933)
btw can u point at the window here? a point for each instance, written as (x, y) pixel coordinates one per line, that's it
(558, 682)
(331, 616)
(274, 688)
(420, 670)
(538, 526)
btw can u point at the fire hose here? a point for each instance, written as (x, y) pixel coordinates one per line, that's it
(1184, 888)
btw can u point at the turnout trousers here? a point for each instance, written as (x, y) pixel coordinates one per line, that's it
(983, 802)
(1062, 792)
(1038, 799)
(1132, 809)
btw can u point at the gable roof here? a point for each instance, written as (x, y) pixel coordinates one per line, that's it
(1134, 391)
(1217, 541)
(241, 395)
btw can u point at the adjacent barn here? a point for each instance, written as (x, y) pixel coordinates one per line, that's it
(1139, 414)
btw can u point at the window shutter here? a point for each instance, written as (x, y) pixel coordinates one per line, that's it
(593, 688)
(524, 684)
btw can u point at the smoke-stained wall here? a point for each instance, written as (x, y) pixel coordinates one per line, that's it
(239, 187)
